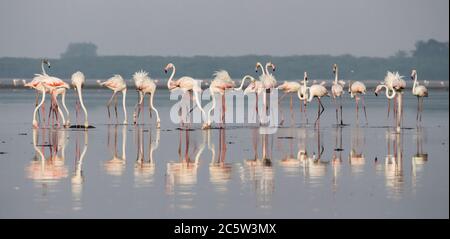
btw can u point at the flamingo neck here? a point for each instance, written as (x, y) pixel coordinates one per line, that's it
(171, 77)
(336, 76)
(124, 95)
(212, 107)
(415, 83)
(242, 82)
(267, 68)
(43, 68)
(258, 65)
(387, 92)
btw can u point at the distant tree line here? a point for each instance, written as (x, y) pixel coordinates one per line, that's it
(430, 58)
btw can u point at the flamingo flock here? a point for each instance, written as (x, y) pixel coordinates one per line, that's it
(44, 84)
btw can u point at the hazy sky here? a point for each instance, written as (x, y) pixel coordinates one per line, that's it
(221, 27)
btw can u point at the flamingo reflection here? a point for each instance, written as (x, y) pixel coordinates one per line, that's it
(182, 175)
(394, 165)
(144, 169)
(78, 177)
(420, 158)
(116, 165)
(336, 160)
(314, 167)
(48, 170)
(259, 171)
(219, 170)
(356, 157)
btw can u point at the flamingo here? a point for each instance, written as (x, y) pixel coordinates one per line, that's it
(186, 84)
(45, 83)
(288, 87)
(255, 86)
(357, 89)
(302, 94)
(420, 91)
(55, 92)
(394, 82)
(221, 82)
(34, 85)
(318, 91)
(145, 85)
(268, 80)
(337, 90)
(78, 80)
(116, 84)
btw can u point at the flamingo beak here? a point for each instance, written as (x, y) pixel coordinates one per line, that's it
(165, 71)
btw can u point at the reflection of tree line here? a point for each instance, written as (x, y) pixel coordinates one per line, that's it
(48, 165)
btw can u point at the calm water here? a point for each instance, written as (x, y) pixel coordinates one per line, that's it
(299, 172)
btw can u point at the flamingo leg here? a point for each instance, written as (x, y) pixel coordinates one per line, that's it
(418, 110)
(115, 109)
(340, 105)
(223, 110)
(281, 108)
(36, 104)
(364, 107)
(389, 107)
(357, 109)
(109, 104)
(337, 113)
(304, 111)
(421, 109)
(292, 111)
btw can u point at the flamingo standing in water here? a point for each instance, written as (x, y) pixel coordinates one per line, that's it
(78, 80)
(268, 80)
(46, 83)
(116, 84)
(288, 87)
(221, 82)
(318, 91)
(186, 84)
(145, 85)
(357, 89)
(337, 90)
(255, 86)
(420, 91)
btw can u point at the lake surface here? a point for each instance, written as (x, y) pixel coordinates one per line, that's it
(126, 171)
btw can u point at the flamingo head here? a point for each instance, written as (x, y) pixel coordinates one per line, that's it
(377, 89)
(413, 73)
(334, 68)
(305, 76)
(45, 61)
(257, 65)
(272, 65)
(168, 67)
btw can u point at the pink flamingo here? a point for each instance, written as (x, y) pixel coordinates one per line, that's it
(116, 84)
(221, 82)
(78, 80)
(420, 91)
(186, 84)
(318, 91)
(337, 90)
(357, 90)
(288, 87)
(145, 85)
(45, 83)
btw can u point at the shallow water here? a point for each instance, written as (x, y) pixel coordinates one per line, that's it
(298, 172)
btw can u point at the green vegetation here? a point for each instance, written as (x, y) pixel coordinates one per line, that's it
(430, 58)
